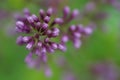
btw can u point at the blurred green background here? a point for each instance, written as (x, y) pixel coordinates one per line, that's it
(102, 45)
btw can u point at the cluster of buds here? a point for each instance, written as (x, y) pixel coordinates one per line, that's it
(74, 34)
(42, 29)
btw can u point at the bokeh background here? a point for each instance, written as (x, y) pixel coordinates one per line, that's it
(101, 48)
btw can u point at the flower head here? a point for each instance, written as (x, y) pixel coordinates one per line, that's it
(41, 30)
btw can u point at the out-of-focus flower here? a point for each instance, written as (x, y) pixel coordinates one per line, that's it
(67, 73)
(55, 4)
(90, 6)
(114, 3)
(68, 76)
(3, 14)
(105, 71)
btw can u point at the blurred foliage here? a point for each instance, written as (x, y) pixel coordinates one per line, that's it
(104, 44)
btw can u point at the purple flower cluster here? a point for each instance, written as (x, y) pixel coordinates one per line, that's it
(43, 29)
(105, 71)
(75, 32)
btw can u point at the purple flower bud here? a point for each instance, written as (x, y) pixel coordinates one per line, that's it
(26, 12)
(77, 43)
(55, 32)
(75, 13)
(77, 34)
(80, 28)
(88, 30)
(30, 45)
(30, 19)
(43, 49)
(46, 40)
(49, 12)
(58, 21)
(49, 33)
(26, 38)
(42, 13)
(66, 11)
(39, 44)
(44, 26)
(47, 19)
(49, 49)
(35, 18)
(72, 28)
(18, 29)
(44, 57)
(62, 47)
(20, 24)
(37, 52)
(38, 25)
(64, 38)
(48, 72)
(28, 59)
(53, 45)
(19, 40)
